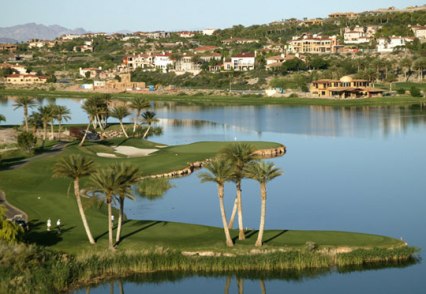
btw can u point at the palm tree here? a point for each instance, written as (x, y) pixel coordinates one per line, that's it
(149, 118)
(262, 172)
(107, 181)
(220, 171)
(128, 176)
(138, 103)
(35, 121)
(61, 113)
(239, 154)
(120, 112)
(90, 109)
(52, 109)
(25, 103)
(76, 167)
(46, 117)
(2, 118)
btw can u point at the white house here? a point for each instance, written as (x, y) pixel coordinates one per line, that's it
(186, 64)
(93, 72)
(388, 45)
(163, 61)
(135, 61)
(419, 31)
(208, 32)
(243, 61)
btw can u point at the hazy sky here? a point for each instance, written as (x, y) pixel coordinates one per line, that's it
(141, 15)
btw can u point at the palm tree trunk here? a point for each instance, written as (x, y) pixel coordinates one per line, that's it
(26, 118)
(136, 121)
(51, 130)
(240, 284)
(59, 130)
(85, 134)
(262, 215)
(241, 235)
(81, 210)
(124, 131)
(110, 244)
(44, 131)
(262, 286)
(120, 220)
(146, 133)
(233, 214)
(223, 214)
(98, 118)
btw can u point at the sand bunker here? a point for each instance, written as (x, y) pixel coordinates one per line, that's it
(108, 155)
(133, 151)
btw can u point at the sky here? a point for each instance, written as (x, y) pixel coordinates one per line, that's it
(173, 15)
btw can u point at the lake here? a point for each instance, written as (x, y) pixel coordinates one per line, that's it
(346, 169)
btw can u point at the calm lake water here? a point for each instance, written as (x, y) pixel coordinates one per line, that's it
(348, 169)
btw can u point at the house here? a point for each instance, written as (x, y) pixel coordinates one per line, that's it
(419, 31)
(207, 57)
(163, 61)
(311, 22)
(346, 87)
(312, 44)
(388, 45)
(275, 62)
(239, 41)
(242, 62)
(359, 35)
(204, 49)
(8, 47)
(158, 35)
(25, 79)
(208, 32)
(87, 47)
(89, 72)
(145, 61)
(69, 37)
(186, 34)
(124, 83)
(350, 15)
(186, 64)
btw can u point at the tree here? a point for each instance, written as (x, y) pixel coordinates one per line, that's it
(262, 172)
(120, 112)
(27, 142)
(239, 155)
(46, 116)
(220, 171)
(90, 109)
(76, 167)
(9, 231)
(61, 113)
(25, 103)
(149, 118)
(138, 104)
(128, 176)
(107, 181)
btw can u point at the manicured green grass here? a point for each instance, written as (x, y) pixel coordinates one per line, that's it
(232, 100)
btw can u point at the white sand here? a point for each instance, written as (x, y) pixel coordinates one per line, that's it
(133, 151)
(108, 155)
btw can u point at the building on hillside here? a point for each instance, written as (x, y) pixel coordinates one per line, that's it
(186, 65)
(16, 67)
(389, 45)
(359, 35)
(239, 41)
(157, 35)
(419, 31)
(163, 61)
(241, 62)
(90, 72)
(312, 44)
(25, 79)
(312, 22)
(144, 61)
(204, 49)
(350, 15)
(207, 57)
(208, 32)
(124, 83)
(346, 87)
(8, 47)
(69, 37)
(86, 47)
(186, 34)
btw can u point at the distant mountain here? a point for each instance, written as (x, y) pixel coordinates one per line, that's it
(23, 33)
(8, 40)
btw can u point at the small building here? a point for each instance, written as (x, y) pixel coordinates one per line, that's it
(243, 61)
(145, 61)
(346, 87)
(25, 79)
(163, 61)
(419, 31)
(239, 41)
(388, 45)
(186, 34)
(350, 15)
(93, 72)
(312, 44)
(359, 35)
(208, 32)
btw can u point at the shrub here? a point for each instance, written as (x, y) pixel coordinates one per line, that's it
(415, 92)
(400, 91)
(293, 95)
(27, 142)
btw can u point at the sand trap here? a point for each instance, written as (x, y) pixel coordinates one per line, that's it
(133, 151)
(108, 155)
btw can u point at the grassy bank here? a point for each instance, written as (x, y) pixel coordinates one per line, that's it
(227, 100)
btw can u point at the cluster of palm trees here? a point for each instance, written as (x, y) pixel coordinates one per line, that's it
(114, 182)
(44, 116)
(236, 162)
(98, 110)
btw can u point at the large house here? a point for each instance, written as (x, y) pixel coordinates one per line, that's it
(312, 44)
(163, 61)
(346, 87)
(241, 62)
(359, 35)
(25, 79)
(135, 61)
(388, 45)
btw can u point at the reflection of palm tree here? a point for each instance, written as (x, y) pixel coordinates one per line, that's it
(2, 118)
(262, 286)
(128, 176)
(76, 167)
(138, 103)
(220, 171)
(240, 284)
(262, 172)
(120, 112)
(239, 154)
(149, 118)
(227, 284)
(25, 103)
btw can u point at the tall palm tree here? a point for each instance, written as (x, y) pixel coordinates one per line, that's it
(76, 167)
(52, 109)
(220, 171)
(128, 176)
(120, 112)
(90, 109)
(107, 181)
(35, 121)
(149, 118)
(262, 172)
(25, 103)
(138, 104)
(46, 117)
(61, 113)
(239, 154)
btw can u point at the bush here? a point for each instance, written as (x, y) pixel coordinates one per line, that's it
(415, 92)
(400, 91)
(293, 95)
(27, 142)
